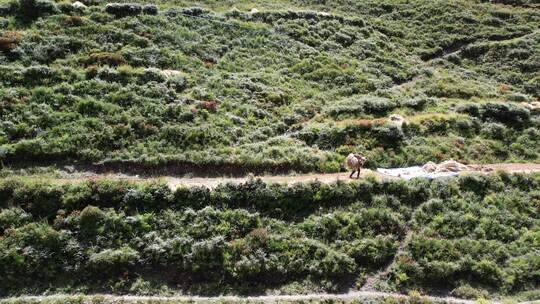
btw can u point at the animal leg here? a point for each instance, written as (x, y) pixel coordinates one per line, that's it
(350, 176)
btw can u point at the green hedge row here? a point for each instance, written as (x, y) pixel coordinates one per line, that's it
(46, 199)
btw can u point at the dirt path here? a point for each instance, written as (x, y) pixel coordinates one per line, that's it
(212, 182)
(347, 297)
(355, 295)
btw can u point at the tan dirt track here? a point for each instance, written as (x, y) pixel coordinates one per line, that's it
(327, 178)
(356, 295)
(346, 297)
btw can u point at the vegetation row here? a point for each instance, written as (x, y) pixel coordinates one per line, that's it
(473, 236)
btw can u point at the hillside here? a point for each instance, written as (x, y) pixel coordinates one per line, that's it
(467, 237)
(202, 87)
(130, 134)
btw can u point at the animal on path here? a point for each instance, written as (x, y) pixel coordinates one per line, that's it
(355, 162)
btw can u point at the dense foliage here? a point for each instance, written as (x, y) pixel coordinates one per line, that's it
(476, 235)
(295, 85)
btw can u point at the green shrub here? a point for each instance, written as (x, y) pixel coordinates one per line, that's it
(6, 10)
(120, 10)
(207, 256)
(112, 260)
(193, 11)
(150, 9)
(469, 108)
(389, 135)
(372, 252)
(468, 292)
(41, 200)
(494, 130)
(33, 254)
(13, 218)
(32, 9)
(487, 271)
(507, 114)
(90, 219)
(151, 197)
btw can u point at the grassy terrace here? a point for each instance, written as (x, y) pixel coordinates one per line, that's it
(266, 91)
(473, 237)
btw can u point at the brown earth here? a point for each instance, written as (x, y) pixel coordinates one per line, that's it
(212, 182)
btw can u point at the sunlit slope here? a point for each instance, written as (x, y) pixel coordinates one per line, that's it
(289, 86)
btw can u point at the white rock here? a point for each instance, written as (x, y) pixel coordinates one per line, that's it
(78, 4)
(430, 167)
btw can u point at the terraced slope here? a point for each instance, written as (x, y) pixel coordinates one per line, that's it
(475, 236)
(295, 85)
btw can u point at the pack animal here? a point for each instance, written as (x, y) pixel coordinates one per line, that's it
(355, 162)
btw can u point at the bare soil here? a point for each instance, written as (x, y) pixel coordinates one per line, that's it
(327, 178)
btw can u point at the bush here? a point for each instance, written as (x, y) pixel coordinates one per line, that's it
(507, 114)
(150, 9)
(120, 10)
(487, 271)
(5, 10)
(90, 219)
(494, 130)
(468, 292)
(193, 11)
(13, 218)
(34, 75)
(470, 108)
(32, 9)
(3, 155)
(389, 135)
(372, 252)
(419, 103)
(35, 253)
(40, 200)
(112, 260)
